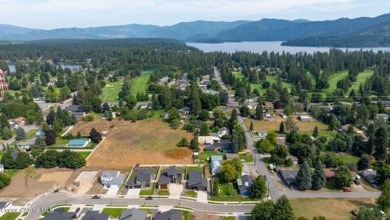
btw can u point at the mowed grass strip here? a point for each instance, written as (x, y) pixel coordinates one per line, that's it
(140, 84)
(111, 91)
(360, 79)
(330, 208)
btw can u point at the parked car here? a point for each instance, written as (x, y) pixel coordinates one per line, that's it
(356, 182)
(95, 197)
(347, 189)
(77, 210)
(149, 198)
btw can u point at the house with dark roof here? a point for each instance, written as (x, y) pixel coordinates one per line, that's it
(169, 215)
(370, 176)
(95, 215)
(171, 175)
(4, 205)
(288, 176)
(78, 110)
(244, 183)
(142, 179)
(112, 179)
(58, 214)
(196, 180)
(133, 214)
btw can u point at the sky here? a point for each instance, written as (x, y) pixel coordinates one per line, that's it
(51, 14)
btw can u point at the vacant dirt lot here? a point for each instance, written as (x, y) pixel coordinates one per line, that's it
(329, 208)
(31, 182)
(144, 142)
(99, 124)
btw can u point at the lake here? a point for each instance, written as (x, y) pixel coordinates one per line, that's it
(259, 47)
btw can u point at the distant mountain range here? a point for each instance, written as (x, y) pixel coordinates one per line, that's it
(343, 32)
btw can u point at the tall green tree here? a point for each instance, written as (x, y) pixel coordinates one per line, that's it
(283, 209)
(281, 127)
(343, 177)
(251, 126)
(259, 112)
(263, 211)
(259, 187)
(304, 177)
(381, 143)
(318, 178)
(315, 132)
(194, 144)
(384, 199)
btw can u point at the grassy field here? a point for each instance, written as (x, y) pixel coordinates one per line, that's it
(346, 158)
(10, 216)
(329, 208)
(361, 78)
(84, 154)
(270, 79)
(307, 126)
(111, 91)
(143, 142)
(140, 83)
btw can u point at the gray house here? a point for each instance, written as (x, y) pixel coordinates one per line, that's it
(244, 183)
(60, 215)
(288, 176)
(112, 179)
(196, 180)
(169, 215)
(95, 215)
(133, 214)
(370, 176)
(142, 179)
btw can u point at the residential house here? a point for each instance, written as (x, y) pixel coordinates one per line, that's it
(329, 173)
(231, 156)
(288, 176)
(279, 111)
(58, 214)
(16, 122)
(215, 164)
(171, 175)
(169, 215)
(133, 214)
(223, 131)
(305, 118)
(142, 179)
(95, 215)
(185, 110)
(78, 110)
(207, 140)
(40, 133)
(284, 116)
(27, 144)
(224, 146)
(4, 205)
(293, 159)
(251, 105)
(1, 168)
(345, 128)
(370, 176)
(196, 180)
(268, 106)
(244, 183)
(298, 106)
(112, 179)
(384, 116)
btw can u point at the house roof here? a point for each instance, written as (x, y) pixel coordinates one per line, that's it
(244, 183)
(115, 177)
(132, 214)
(29, 142)
(216, 158)
(75, 108)
(196, 178)
(172, 171)
(143, 175)
(95, 215)
(59, 215)
(3, 204)
(370, 175)
(163, 180)
(288, 176)
(169, 215)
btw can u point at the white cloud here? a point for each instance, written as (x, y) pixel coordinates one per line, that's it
(82, 13)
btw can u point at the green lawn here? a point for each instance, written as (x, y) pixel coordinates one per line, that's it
(247, 158)
(140, 83)
(347, 158)
(111, 91)
(163, 192)
(113, 212)
(333, 79)
(10, 216)
(148, 192)
(207, 154)
(361, 78)
(227, 190)
(190, 193)
(84, 154)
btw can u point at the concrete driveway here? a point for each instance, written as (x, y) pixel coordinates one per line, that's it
(112, 191)
(175, 190)
(133, 193)
(201, 196)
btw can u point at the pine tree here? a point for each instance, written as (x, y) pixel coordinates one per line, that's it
(315, 132)
(258, 188)
(318, 178)
(194, 145)
(384, 199)
(303, 179)
(259, 112)
(281, 127)
(381, 143)
(283, 209)
(251, 126)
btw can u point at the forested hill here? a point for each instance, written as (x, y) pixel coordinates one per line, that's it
(343, 32)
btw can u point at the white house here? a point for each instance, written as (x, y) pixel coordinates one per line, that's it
(208, 139)
(112, 179)
(215, 164)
